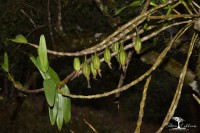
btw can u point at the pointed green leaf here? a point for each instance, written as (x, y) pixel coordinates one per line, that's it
(50, 72)
(169, 11)
(20, 39)
(152, 3)
(164, 1)
(145, 26)
(66, 105)
(138, 44)
(53, 75)
(35, 62)
(120, 10)
(5, 65)
(53, 111)
(6, 59)
(49, 90)
(60, 119)
(42, 54)
(135, 3)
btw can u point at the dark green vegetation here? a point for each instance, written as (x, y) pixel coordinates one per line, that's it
(86, 32)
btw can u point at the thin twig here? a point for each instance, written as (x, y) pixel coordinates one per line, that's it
(196, 98)
(172, 16)
(38, 27)
(177, 95)
(196, 4)
(146, 6)
(59, 20)
(90, 126)
(193, 7)
(49, 24)
(122, 77)
(30, 19)
(142, 104)
(71, 131)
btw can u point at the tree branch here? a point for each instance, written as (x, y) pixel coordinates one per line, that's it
(177, 95)
(142, 104)
(114, 37)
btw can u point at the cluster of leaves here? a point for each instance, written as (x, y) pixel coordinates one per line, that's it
(59, 106)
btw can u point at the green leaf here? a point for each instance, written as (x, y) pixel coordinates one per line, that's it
(19, 39)
(145, 26)
(5, 65)
(35, 62)
(169, 11)
(138, 44)
(49, 90)
(42, 54)
(164, 1)
(120, 10)
(50, 72)
(135, 3)
(60, 119)
(152, 3)
(53, 111)
(53, 75)
(66, 105)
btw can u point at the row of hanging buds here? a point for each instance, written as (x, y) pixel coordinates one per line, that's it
(94, 66)
(87, 68)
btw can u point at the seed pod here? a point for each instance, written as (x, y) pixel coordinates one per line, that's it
(117, 57)
(77, 64)
(107, 57)
(93, 70)
(122, 57)
(86, 72)
(96, 62)
(115, 47)
(138, 44)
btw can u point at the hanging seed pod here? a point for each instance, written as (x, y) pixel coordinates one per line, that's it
(122, 57)
(115, 47)
(93, 70)
(107, 57)
(86, 72)
(138, 44)
(77, 64)
(96, 63)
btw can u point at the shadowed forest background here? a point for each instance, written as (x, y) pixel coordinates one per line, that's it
(75, 25)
